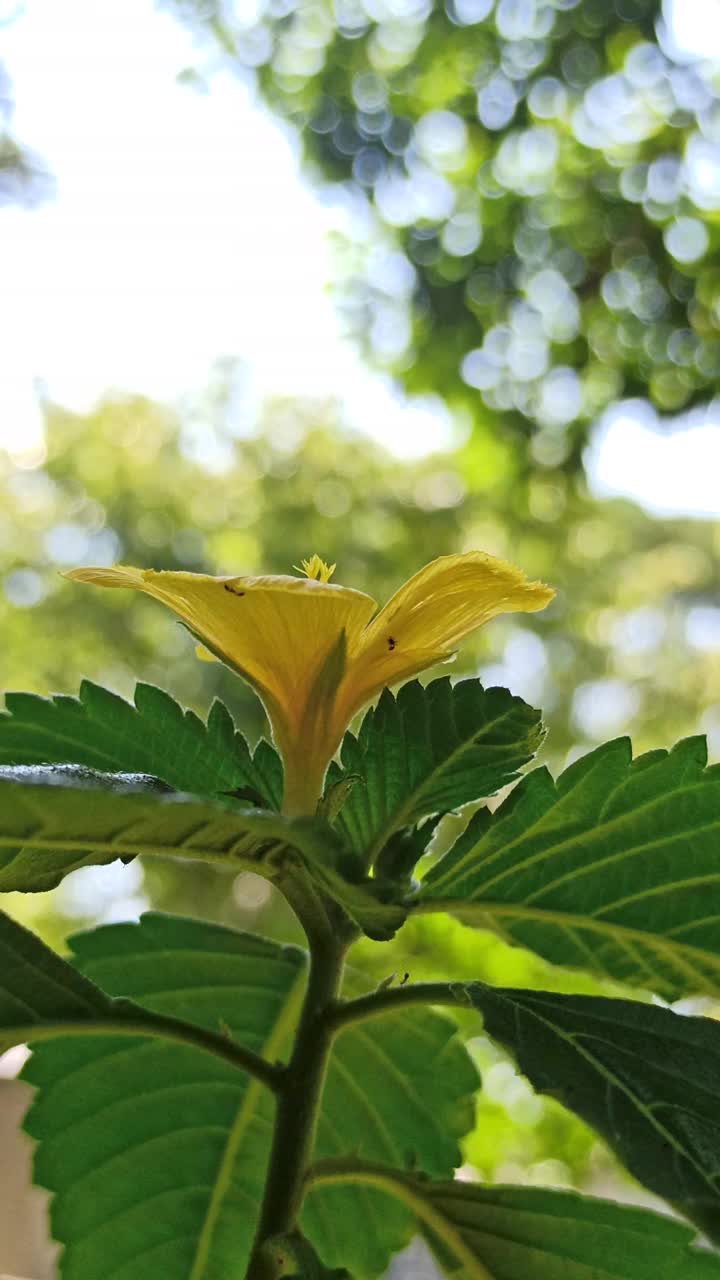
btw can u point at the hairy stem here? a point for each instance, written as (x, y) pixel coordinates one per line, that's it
(300, 1096)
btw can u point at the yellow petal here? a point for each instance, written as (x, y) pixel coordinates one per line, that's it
(119, 575)
(287, 636)
(310, 650)
(427, 618)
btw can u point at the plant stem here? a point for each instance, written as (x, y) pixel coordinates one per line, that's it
(300, 1096)
(346, 1012)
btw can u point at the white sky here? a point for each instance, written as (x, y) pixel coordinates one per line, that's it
(668, 472)
(154, 258)
(182, 232)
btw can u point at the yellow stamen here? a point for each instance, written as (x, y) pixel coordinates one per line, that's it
(316, 568)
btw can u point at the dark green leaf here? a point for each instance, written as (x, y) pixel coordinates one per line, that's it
(36, 986)
(397, 859)
(155, 1154)
(42, 997)
(156, 736)
(615, 868)
(645, 1078)
(517, 1233)
(428, 751)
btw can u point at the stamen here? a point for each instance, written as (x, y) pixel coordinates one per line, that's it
(316, 568)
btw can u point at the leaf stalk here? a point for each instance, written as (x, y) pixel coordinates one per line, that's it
(128, 1019)
(344, 1013)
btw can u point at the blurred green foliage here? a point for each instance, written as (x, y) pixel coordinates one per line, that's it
(531, 191)
(632, 638)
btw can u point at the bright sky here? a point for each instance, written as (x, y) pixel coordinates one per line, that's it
(154, 258)
(182, 232)
(668, 472)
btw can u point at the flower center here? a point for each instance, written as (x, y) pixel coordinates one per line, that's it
(316, 568)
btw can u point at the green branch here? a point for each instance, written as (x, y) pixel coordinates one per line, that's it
(130, 1020)
(300, 1096)
(346, 1012)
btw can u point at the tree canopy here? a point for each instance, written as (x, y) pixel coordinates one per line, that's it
(531, 192)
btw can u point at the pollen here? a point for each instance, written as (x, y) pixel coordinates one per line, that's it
(316, 568)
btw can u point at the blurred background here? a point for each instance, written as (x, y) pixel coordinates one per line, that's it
(380, 279)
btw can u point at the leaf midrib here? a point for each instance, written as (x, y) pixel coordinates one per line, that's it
(288, 1015)
(121, 849)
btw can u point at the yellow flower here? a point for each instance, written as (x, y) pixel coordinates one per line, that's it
(316, 652)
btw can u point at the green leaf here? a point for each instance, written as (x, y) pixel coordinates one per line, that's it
(102, 731)
(645, 1078)
(36, 986)
(613, 868)
(43, 997)
(56, 818)
(155, 1154)
(514, 1233)
(428, 751)
(138, 1138)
